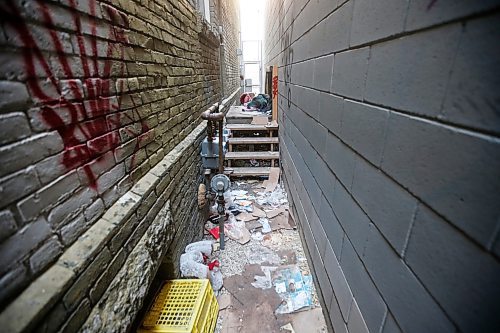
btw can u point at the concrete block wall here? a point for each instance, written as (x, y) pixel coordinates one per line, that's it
(390, 143)
(99, 144)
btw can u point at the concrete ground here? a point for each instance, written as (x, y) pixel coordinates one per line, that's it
(246, 259)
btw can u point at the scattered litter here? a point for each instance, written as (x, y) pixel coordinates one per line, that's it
(275, 212)
(244, 203)
(192, 267)
(237, 231)
(216, 279)
(254, 163)
(274, 199)
(294, 288)
(258, 254)
(265, 225)
(288, 327)
(280, 222)
(259, 232)
(253, 225)
(257, 236)
(204, 247)
(258, 212)
(272, 240)
(215, 232)
(238, 193)
(264, 282)
(246, 217)
(272, 182)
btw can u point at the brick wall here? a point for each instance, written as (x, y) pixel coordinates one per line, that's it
(99, 135)
(390, 144)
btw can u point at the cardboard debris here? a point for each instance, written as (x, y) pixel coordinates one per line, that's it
(241, 235)
(246, 217)
(244, 203)
(252, 225)
(288, 327)
(275, 212)
(272, 182)
(260, 120)
(258, 212)
(280, 222)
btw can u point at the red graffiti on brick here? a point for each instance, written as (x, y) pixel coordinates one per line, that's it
(80, 108)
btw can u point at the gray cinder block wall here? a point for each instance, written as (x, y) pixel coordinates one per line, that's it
(390, 145)
(99, 152)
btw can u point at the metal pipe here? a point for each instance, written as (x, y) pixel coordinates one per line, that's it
(221, 146)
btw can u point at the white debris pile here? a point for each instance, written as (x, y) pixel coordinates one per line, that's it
(274, 199)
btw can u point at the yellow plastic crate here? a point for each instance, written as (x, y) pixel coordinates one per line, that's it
(182, 306)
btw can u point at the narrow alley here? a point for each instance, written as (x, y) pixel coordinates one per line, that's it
(300, 166)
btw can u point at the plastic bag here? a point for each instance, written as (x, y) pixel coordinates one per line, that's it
(227, 199)
(266, 227)
(191, 268)
(235, 229)
(216, 279)
(204, 247)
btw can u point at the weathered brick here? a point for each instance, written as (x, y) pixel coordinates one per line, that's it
(17, 185)
(13, 96)
(50, 168)
(85, 281)
(105, 279)
(70, 208)
(72, 230)
(78, 318)
(14, 127)
(7, 224)
(96, 167)
(434, 242)
(12, 282)
(28, 151)
(110, 178)
(48, 196)
(24, 241)
(45, 255)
